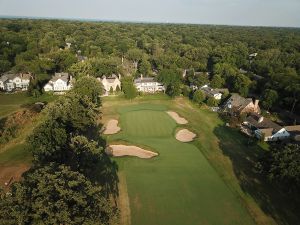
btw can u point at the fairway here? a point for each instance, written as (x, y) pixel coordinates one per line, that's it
(177, 187)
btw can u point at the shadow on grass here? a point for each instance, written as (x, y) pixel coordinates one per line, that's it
(244, 155)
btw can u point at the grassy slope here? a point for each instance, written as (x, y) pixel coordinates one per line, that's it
(227, 151)
(10, 103)
(179, 186)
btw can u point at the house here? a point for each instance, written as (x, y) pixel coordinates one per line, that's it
(148, 85)
(211, 93)
(113, 82)
(264, 128)
(237, 104)
(10, 82)
(294, 132)
(60, 82)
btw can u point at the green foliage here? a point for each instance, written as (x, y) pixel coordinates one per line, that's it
(173, 89)
(111, 90)
(144, 67)
(186, 91)
(128, 87)
(56, 195)
(118, 89)
(90, 87)
(269, 98)
(81, 69)
(282, 165)
(198, 97)
(211, 101)
(217, 81)
(240, 83)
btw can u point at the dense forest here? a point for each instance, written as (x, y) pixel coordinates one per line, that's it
(227, 53)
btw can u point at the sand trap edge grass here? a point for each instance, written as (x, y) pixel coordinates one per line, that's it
(119, 150)
(177, 118)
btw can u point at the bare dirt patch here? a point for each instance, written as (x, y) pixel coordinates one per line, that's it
(177, 118)
(129, 150)
(185, 135)
(112, 127)
(10, 174)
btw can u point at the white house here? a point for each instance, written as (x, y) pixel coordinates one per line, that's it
(111, 82)
(148, 84)
(60, 82)
(265, 128)
(10, 82)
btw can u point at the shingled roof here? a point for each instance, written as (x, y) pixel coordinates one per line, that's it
(262, 123)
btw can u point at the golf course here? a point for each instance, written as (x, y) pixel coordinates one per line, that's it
(179, 186)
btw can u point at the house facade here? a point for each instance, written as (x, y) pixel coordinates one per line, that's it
(60, 82)
(237, 104)
(148, 85)
(113, 82)
(11, 82)
(265, 129)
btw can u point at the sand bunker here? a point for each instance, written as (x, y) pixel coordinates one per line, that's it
(177, 118)
(112, 127)
(125, 150)
(185, 135)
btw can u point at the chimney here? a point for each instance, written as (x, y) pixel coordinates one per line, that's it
(141, 76)
(256, 105)
(119, 76)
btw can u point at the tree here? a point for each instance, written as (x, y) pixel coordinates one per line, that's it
(169, 77)
(56, 195)
(118, 89)
(173, 89)
(211, 101)
(282, 165)
(81, 69)
(144, 67)
(186, 91)
(111, 90)
(240, 83)
(128, 87)
(198, 97)
(269, 98)
(135, 55)
(217, 81)
(90, 87)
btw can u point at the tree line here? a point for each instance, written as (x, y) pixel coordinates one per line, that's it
(47, 46)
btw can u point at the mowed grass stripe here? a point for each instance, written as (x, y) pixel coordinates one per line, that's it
(146, 123)
(177, 187)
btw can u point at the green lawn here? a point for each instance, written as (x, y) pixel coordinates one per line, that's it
(17, 154)
(177, 187)
(11, 102)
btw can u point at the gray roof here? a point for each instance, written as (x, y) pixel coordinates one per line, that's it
(238, 101)
(3, 78)
(144, 80)
(62, 76)
(209, 91)
(262, 123)
(111, 79)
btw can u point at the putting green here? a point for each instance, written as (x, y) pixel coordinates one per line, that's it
(177, 187)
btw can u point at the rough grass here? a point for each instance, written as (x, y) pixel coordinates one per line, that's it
(177, 187)
(10, 103)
